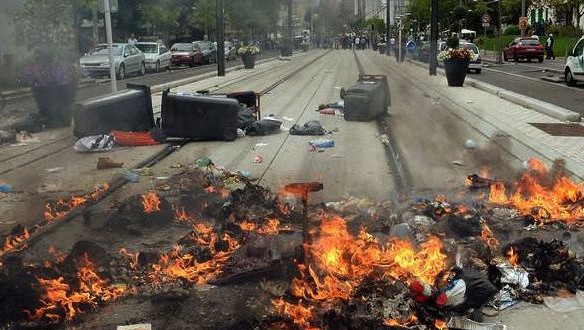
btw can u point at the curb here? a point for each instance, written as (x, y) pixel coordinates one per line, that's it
(542, 107)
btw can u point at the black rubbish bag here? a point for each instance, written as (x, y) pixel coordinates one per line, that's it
(267, 125)
(245, 118)
(312, 127)
(479, 290)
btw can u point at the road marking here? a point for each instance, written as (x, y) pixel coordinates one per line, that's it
(535, 79)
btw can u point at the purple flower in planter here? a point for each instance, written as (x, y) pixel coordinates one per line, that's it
(49, 74)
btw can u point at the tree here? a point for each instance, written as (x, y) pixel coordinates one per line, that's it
(204, 16)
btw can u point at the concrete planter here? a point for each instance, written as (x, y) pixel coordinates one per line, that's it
(55, 103)
(248, 61)
(456, 70)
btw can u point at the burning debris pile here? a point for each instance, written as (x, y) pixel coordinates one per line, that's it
(360, 264)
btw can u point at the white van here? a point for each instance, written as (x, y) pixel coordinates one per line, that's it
(574, 69)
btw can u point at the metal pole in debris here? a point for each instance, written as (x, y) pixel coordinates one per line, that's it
(108, 32)
(434, 38)
(220, 39)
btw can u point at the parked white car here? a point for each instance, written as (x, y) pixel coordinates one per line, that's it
(157, 55)
(574, 69)
(127, 59)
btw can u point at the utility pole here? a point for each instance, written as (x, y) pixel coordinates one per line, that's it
(434, 37)
(220, 39)
(387, 25)
(108, 33)
(290, 41)
(523, 14)
(499, 55)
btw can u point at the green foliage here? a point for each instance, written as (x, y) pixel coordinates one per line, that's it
(565, 31)
(204, 15)
(377, 23)
(458, 13)
(512, 30)
(46, 27)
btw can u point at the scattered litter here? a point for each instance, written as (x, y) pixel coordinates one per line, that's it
(322, 143)
(49, 187)
(131, 176)
(245, 118)
(327, 111)
(176, 165)
(6, 188)
(257, 159)
(458, 162)
(96, 143)
(26, 137)
(268, 125)
(469, 102)
(506, 298)
(240, 133)
(6, 137)
(133, 139)
(258, 145)
(161, 183)
(288, 118)
(203, 162)
(336, 156)
(22, 144)
(312, 127)
(531, 227)
(146, 171)
(104, 163)
(513, 275)
(54, 169)
(471, 144)
(142, 326)
(462, 323)
(244, 173)
(385, 139)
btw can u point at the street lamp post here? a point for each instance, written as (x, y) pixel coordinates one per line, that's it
(220, 39)
(387, 25)
(108, 33)
(499, 54)
(434, 38)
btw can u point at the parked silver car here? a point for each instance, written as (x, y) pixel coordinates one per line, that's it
(157, 55)
(127, 58)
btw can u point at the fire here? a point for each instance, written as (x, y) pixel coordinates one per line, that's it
(440, 325)
(339, 262)
(488, 237)
(271, 227)
(179, 264)
(181, 215)
(15, 242)
(562, 200)
(63, 207)
(412, 319)
(513, 257)
(59, 300)
(300, 314)
(150, 202)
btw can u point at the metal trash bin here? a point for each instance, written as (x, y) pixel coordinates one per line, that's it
(129, 110)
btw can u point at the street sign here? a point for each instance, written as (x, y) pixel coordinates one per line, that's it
(523, 23)
(113, 6)
(486, 19)
(486, 25)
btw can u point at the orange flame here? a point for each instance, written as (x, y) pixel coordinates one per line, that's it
(180, 214)
(513, 257)
(150, 202)
(440, 325)
(300, 314)
(271, 227)
(58, 298)
(563, 200)
(488, 237)
(340, 261)
(412, 319)
(63, 207)
(15, 242)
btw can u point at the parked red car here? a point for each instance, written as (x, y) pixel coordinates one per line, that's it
(186, 54)
(524, 48)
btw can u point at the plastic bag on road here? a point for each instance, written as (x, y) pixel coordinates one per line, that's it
(267, 125)
(96, 143)
(513, 275)
(312, 127)
(245, 118)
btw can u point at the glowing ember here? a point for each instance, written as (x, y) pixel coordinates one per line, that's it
(562, 200)
(150, 202)
(340, 261)
(394, 323)
(181, 215)
(488, 237)
(298, 313)
(15, 242)
(271, 227)
(60, 301)
(63, 207)
(513, 257)
(440, 325)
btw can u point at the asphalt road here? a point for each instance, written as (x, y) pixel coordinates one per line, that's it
(525, 78)
(21, 107)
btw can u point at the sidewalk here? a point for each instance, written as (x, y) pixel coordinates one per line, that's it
(493, 117)
(556, 66)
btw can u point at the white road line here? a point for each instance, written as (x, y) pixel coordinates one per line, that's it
(535, 79)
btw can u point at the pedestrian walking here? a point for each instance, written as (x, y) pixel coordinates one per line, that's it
(549, 49)
(357, 43)
(132, 40)
(363, 43)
